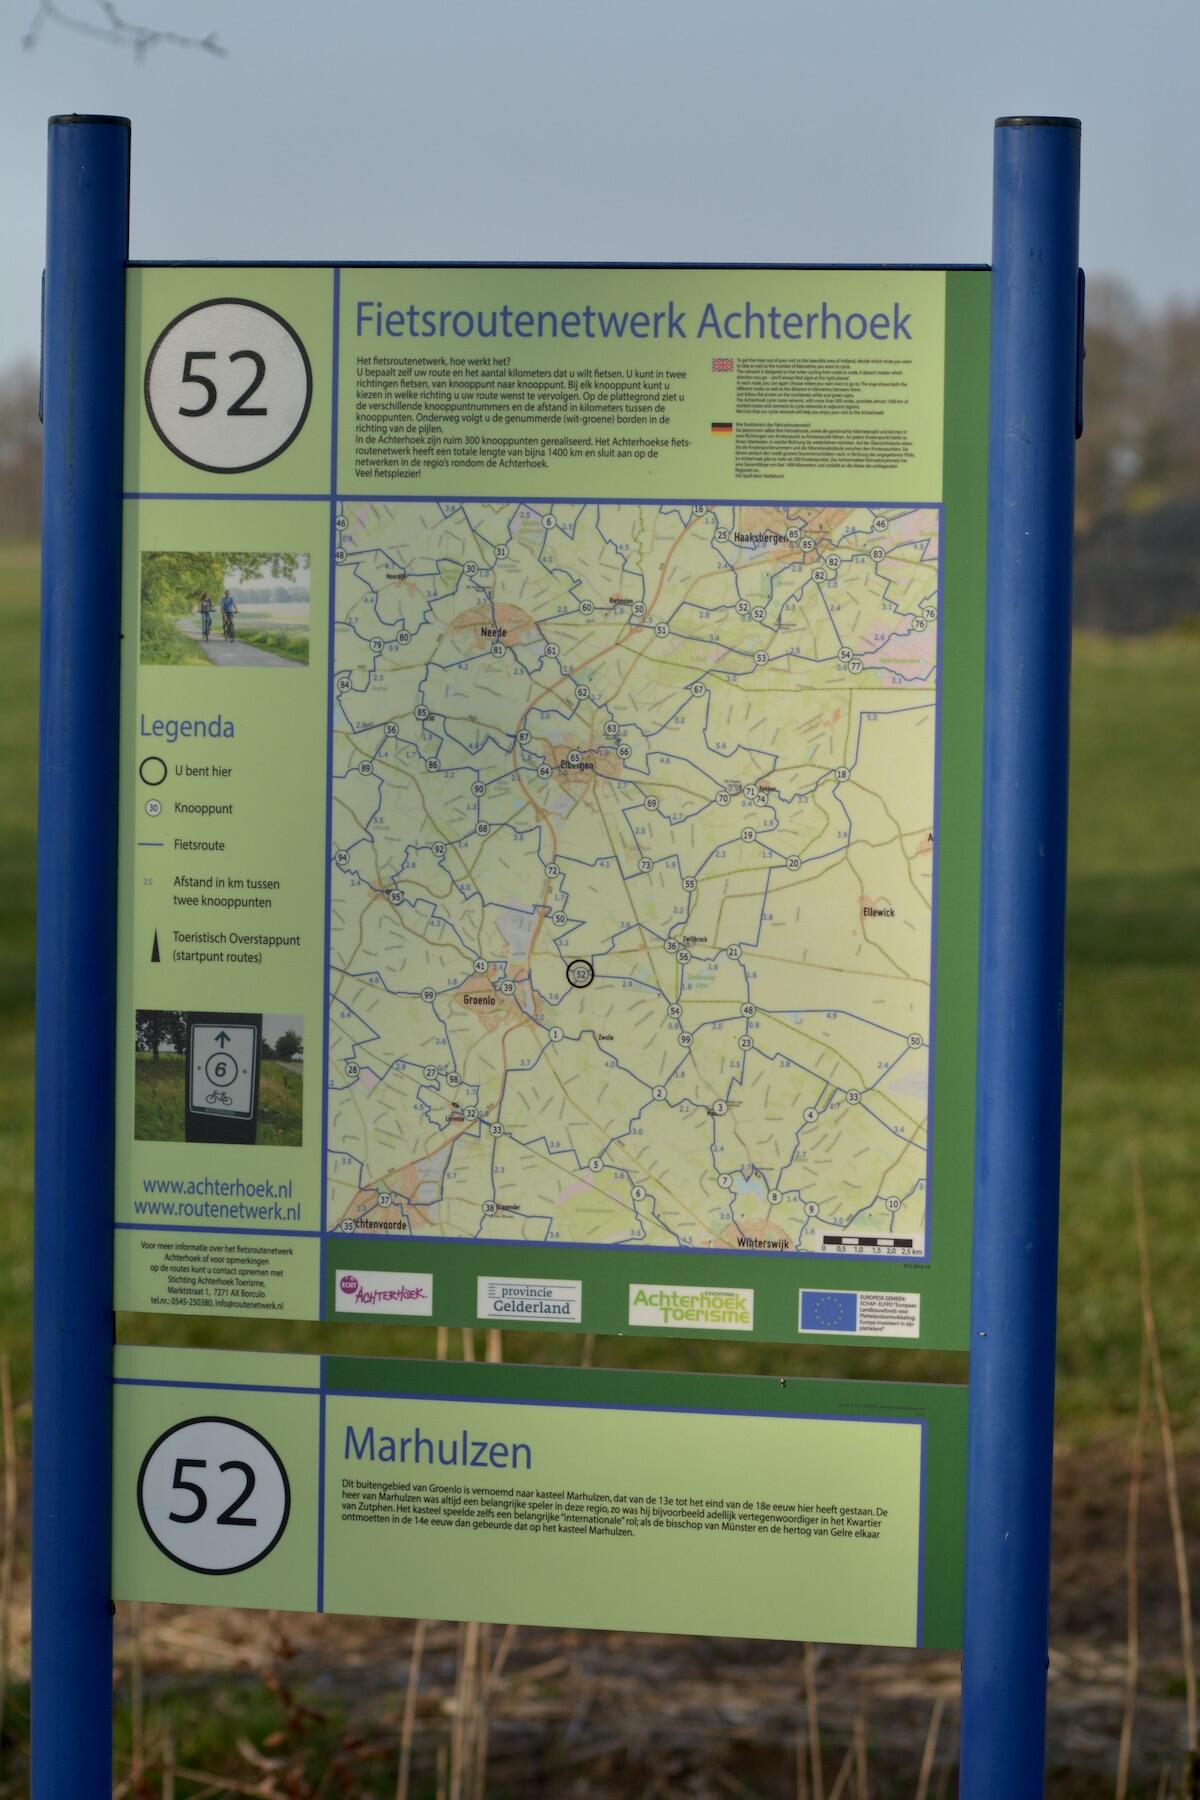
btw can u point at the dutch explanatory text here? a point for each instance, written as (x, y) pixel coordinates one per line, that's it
(632, 874)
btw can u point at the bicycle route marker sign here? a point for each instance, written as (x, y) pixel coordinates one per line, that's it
(221, 1078)
(221, 1059)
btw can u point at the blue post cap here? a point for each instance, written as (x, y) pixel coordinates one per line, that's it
(89, 119)
(1037, 119)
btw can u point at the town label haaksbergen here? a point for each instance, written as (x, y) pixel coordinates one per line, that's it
(374, 319)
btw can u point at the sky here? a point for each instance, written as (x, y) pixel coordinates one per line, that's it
(275, 1024)
(235, 581)
(657, 130)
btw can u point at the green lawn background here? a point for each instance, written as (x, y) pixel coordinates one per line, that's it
(158, 1099)
(1132, 1066)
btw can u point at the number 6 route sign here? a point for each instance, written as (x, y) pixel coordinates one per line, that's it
(221, 1077)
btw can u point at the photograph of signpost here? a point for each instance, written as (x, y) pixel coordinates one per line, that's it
(165, 1045)
(727, 1324)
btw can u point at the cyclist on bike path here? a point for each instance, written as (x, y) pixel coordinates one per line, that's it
(206, 610)
(228, 608)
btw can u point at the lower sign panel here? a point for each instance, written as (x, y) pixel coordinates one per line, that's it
(722, 1505)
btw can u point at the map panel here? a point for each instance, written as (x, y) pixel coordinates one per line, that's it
(632, 874)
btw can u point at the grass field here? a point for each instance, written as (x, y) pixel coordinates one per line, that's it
(280, 640)
(181, 652)
(1132, 1077)
(1132, 1091)
(164, 641)
(167, 643)
(158, 1100)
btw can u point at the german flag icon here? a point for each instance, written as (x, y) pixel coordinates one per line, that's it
(722, 428)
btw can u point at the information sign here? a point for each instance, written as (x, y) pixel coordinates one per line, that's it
(554, 700)
(221, 1078)
(557, 691)
(548, 1496)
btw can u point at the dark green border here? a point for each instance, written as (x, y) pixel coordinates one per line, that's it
(943, 1408)
(960, 804)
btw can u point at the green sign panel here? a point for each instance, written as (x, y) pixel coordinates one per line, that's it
(547, 1496)
(551, 706)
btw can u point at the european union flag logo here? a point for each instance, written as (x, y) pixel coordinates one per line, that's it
(823, 1310)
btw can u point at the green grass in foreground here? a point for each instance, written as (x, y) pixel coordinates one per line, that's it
(278, 640)
(1132, 1077)
(1132, 1033)
(164, 641)
(158, 1100)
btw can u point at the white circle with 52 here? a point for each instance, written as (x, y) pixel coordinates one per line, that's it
(228, 385)
(213, 1495)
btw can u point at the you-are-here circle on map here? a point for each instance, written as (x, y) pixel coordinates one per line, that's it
(228, 385)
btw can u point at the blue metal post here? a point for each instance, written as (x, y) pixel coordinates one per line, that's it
(83, 407)
(1035, 258)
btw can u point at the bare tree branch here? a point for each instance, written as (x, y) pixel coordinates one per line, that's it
(116, 30)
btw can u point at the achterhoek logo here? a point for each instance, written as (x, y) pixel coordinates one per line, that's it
(376, 1290)
(712, 1308)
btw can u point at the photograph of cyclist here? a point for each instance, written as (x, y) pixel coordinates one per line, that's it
(260, 599)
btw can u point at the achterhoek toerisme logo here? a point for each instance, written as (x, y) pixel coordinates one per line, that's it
(378, 1290)
(711, 1308)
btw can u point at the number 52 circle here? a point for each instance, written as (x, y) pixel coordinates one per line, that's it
(228, 385)
(213, 1495)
